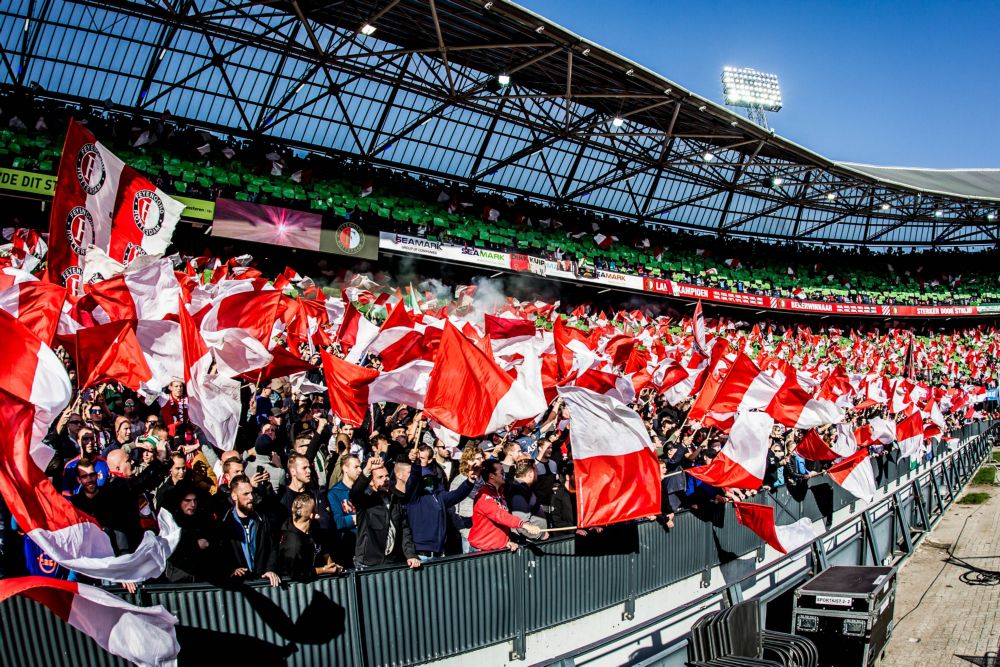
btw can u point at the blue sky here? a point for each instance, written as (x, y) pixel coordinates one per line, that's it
(882, 82)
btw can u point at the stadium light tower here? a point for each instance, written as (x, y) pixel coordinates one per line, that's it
(757, 92)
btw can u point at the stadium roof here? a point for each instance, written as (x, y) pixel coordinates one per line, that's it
(422, 92)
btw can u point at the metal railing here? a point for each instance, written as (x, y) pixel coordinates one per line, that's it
(395, 616)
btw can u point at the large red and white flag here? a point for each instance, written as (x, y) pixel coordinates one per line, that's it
(83, 205)
(617, 474)
(36, 304)
(741, 463)
(146, 291)
(101, 202)
(910, 436)
(470, 394)
(813, 448)
(855, 474)
(744, 387)
(795, 407)
(760, 519)
(213, 400)
(144, 220)
(142, 635)
(34, 389)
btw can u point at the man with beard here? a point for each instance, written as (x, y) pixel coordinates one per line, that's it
(246, 548)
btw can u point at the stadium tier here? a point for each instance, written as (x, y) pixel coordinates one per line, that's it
(203, 166)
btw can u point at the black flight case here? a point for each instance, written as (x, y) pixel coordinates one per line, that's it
(847, 612)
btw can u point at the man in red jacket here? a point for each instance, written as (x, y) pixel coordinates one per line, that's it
(491, 520)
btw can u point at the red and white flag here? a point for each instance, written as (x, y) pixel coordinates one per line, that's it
(83, 205)
(36, 304)
(347, 385)
(910, 436)
(142, 635)
(698, 327)
(149, 291)
(144, 220)
(760, 519)
(744, 387)
(34, 389)
(471, 395)
(111, 353)
(795, 407)
(855, 474)
(813, 448)
(743, 460)
(101, 202)
(398, 341)
(617, 474)
(213, 400)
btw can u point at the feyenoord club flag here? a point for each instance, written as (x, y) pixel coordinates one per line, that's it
(83, 205)
(101, 202)
(144, 220)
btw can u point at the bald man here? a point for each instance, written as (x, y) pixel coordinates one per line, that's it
(133, 495)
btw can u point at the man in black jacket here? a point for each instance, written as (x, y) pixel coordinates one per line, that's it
(383, 531)
(246, 547)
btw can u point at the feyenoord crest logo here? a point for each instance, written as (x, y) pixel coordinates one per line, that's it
(90, 168)
(79, 230)
(350, 238)
(131, 252)
(71, 278)
(148, 212)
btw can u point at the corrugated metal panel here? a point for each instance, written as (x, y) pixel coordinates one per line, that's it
(731, 540)
(668, 556)
(447, 607)
(305, 624)
(33, 635)
(556, 592)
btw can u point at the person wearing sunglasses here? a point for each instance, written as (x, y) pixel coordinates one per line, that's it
(88, 455)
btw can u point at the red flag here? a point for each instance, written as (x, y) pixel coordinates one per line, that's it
(855, 475)
(111, 353)
(34, 389)
(82, 206)
(469, 394)
(347, 385)
(698, 327)
(760, 519)
(617, 475)
(742, 461)
(37, 305)
(813, 448)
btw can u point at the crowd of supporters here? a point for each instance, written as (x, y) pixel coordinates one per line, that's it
(304, 494)
(196, 163)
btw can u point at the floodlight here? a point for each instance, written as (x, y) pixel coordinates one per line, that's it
(749, 88)
(617, 121)
(777, 181)
(488, 5)
(586, 51)
(503, 80)
(707, 157)
(885, 207)
(831, 195)
(991, 216)
(367, 29)
(939, 213)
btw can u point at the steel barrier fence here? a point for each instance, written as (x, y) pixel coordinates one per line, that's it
(395, 616)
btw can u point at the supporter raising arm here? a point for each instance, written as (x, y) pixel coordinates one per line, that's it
(383, 531)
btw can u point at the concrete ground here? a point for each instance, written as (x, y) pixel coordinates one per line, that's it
(942, 620)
